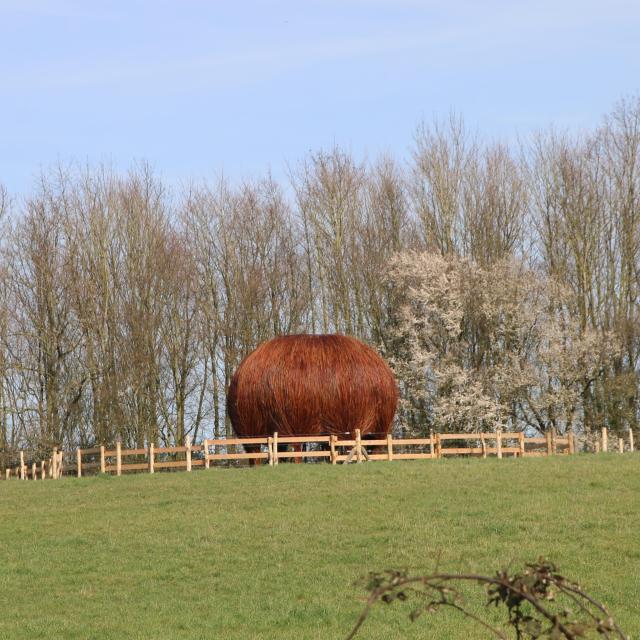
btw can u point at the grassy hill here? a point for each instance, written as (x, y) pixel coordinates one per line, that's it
(274, 553)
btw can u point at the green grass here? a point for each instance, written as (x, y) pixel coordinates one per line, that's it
(274, 553)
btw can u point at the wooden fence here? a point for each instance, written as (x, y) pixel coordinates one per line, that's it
(275, 448)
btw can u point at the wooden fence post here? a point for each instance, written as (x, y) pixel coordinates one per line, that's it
(438, 447)
(43, 472)
(22, 474)
(79, 463)
(332, 447)
(431, 442)
(275, 448)
(483, 444)
(554, 444)
(605, 440)
(54, 464)
(270, 450)
(7, 473)
(631, 439)
(152, 456)
(205, 450)
(521, 443)
(620, 445)
(60, 464)
(34, 471)
(188, 445)
(358, 446)
(499, 443)
(103, 464)
(118, 458)
(547, 435)
(389, 447)
(571, 442)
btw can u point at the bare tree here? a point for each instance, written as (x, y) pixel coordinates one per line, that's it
(330, 196)
(46, 343)
(441, 159)
(5, 407)
(495, 203)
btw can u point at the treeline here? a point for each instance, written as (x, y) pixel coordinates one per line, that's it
(503, 281)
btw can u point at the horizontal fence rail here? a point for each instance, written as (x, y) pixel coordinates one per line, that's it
(276, 448)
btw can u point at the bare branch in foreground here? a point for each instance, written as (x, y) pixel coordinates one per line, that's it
(540, 602)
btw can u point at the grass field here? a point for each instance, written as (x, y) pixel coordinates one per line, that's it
(274, 553)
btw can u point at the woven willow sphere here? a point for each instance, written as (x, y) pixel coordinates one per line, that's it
(302, 385)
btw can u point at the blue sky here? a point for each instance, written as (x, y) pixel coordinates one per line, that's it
(197, 88)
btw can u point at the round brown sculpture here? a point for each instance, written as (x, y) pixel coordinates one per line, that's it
(303, 385)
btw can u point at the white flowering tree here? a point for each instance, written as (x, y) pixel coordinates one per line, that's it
(477, 347)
